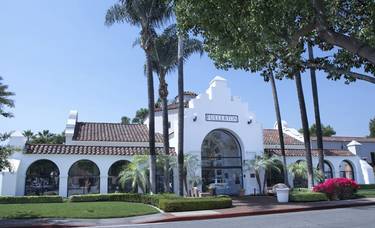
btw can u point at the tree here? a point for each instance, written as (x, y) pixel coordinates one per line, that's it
(271, 78)
(5, 152)
(343, 30)
(259, 164)
(372, 127)
(299, 169)
(136, 172)
(28, 134)
(125, 120)
(181, 107)
(327, 131)
(140, 116)
(164, 61)
(5, 100)
(319, 133)
(147, 14)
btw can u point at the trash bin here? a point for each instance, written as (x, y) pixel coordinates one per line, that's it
(282, 195)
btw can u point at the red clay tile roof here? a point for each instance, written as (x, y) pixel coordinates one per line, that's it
(171, 107)
(301, 152)
(346, 139)
(90, 150)
(271, 137)
(113, 132)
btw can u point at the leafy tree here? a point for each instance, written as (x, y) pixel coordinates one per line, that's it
(244, 30)
(259, 164)
(327, 131)
(299, 169)
(5, 100)
(148, 15)
(5, 152)
(372, 127)
(28, 134)
(125, 120)
(44, 137)
(140, 116)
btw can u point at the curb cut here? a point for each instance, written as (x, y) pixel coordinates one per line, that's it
(241, 214)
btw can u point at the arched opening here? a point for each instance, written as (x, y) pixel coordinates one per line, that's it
(275, 176)
(346, 170)
(300, 174)
(84, 178)
(221, 163)
(328, 171)
(114, 184)
(42, 178)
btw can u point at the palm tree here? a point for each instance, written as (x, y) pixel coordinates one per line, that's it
(136, 173)
(181, 106)
(28, 134)
(299, 169)
(319, 133)
(147, 14)
(279, 125)
(260, 163)
(165, 61)
(5, 101)
(305, 126)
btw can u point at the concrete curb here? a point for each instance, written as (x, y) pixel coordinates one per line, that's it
(264, 212)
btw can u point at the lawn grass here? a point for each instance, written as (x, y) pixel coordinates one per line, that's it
(75, 210)
(365, 193)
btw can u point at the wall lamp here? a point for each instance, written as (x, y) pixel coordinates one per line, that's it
(195, 117)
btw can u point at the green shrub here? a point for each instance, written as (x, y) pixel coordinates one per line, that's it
(304, 196)
(31, 199)
(126, 197)
(194, 204)
(366, 186)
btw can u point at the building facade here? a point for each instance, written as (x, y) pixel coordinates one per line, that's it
(220, 133)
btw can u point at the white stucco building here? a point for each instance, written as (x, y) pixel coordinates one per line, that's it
(220, 131)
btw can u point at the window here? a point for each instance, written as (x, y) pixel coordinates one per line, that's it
(346, 170)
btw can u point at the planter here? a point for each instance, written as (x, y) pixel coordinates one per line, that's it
(282, 195)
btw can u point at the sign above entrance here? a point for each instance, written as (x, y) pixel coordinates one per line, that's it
(221, 118)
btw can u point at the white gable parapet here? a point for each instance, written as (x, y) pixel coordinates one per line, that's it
(70, 126)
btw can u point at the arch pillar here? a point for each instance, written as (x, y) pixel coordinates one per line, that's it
(63, 186)
(103, 184)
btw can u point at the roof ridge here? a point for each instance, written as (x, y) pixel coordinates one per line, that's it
(111, 123)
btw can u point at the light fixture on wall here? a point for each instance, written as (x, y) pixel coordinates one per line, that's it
(250, 120)
(195, 117)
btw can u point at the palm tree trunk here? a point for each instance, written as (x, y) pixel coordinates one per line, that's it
(258, 181)
(306, 132)
(279, 127)
(163, 93)
(151, 124)
(180, 115)
(319, 135)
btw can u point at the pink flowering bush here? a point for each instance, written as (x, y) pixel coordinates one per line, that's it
(337, 188)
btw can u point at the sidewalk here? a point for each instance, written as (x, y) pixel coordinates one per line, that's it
(247, 206)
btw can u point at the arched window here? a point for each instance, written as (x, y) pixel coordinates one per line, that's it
(275, 176)
(328, 172)
(346, 170)
(221, 163)
(42, 178)
(84, 178)
(113, 177)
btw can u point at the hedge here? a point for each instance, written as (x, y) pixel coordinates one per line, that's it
(194, 204)
(31, 199)
(303, 196)
(367, 186)
(125, 197)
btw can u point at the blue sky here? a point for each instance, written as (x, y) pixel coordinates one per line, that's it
(58, 56)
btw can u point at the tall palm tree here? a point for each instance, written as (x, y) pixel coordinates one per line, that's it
(5, 100)
(147, 14)
(319, 133)
(164, 61)
(180, 153)
(28, 134)
(305, 126)
(279, 125)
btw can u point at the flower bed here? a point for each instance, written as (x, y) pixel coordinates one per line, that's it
(338, 188)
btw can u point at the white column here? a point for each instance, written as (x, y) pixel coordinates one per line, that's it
(63, 186)
(103, 184)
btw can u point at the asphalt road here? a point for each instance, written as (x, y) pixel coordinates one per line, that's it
(340, 218)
